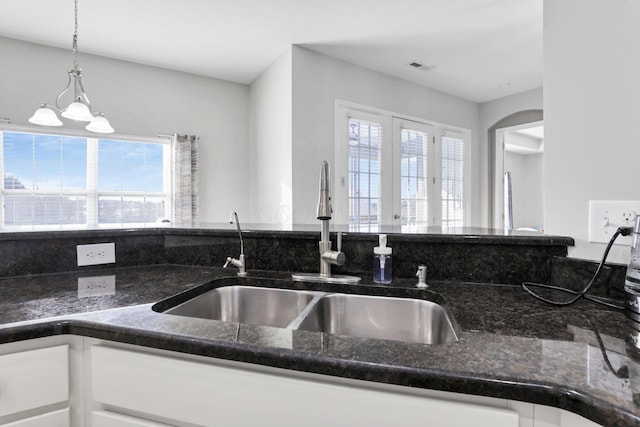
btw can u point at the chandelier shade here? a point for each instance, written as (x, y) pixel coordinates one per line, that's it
(80, 108)
(99, 124)
(45, 116)
(77, 111)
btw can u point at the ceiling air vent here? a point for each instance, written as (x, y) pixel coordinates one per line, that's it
(419, 66)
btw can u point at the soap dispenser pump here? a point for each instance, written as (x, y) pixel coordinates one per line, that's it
(382, 261)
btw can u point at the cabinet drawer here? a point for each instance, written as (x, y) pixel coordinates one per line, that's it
(52, 419)
(111, 419)
(215, 395)
(34, 378)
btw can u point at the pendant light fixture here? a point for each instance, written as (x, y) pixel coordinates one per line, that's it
(80, 107)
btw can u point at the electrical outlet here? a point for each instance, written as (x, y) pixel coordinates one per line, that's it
(605, 216)
(95, 286)
(100, 253)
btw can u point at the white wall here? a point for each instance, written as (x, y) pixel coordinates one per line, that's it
(270, 185)
(490, 113)
(591, 107)
(168, 102)
(527, 189)
(319, 80)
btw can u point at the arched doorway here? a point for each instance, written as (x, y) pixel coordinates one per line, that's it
(512, 122)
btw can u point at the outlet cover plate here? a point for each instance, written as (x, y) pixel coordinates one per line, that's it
(96, 286)
(95, 254)
(605, 216)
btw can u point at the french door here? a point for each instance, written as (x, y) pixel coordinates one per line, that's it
(396, 171)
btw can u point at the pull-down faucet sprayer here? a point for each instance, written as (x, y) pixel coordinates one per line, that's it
(328, 256)
(240, 263)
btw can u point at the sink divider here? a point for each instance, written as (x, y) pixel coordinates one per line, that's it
(317, 296)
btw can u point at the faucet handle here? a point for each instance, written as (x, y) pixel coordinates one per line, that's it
(339, 241)
(421, 274)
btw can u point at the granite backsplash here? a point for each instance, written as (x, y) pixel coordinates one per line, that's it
(484, 256)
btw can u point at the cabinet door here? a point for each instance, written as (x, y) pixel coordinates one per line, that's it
(216, 395)
(34, 378)
(111, 419)
(52, 419)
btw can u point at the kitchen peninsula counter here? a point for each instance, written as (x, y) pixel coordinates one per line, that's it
(510, 345)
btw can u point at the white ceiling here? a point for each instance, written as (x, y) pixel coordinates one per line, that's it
(481, 49)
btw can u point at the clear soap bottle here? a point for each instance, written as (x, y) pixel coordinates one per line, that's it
(382, 261)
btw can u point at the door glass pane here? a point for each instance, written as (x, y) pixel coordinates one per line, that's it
(413, 179)
(452, 181)
(365, 140)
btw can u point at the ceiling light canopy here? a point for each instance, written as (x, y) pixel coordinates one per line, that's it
(80, 107)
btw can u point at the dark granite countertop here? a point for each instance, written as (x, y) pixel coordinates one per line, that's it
(510, 345)
(431, 234)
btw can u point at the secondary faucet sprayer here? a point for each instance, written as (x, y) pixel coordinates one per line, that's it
(240, 263)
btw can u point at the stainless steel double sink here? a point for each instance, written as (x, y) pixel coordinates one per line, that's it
(391, 318)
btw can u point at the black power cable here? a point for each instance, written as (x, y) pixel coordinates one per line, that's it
(624, 231)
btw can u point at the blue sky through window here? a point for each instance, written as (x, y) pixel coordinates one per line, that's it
(50, 174)
(129, 166)
(52, 162)
(45, 162)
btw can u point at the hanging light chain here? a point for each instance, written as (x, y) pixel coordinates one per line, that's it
(74, 47)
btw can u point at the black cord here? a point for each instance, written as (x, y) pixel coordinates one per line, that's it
(623, 372)
(625, 231)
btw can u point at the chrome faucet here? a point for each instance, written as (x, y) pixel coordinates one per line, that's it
(328, 256)
(241, 262)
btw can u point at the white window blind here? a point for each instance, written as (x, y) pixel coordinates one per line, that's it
(414, 178)
(68, 180)
(365, 144)
(452, 147)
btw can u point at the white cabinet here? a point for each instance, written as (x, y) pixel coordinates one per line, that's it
(112, 419)
(34, 386)
(217, 394)
(50, 419)
(135, 386)
(70, 382)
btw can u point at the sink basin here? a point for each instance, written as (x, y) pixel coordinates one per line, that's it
(399, 319)
(245, 304)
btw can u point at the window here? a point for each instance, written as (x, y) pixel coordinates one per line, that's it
(413, 148)
(365, 142)
(64, 180)
(391, 170)
(452, 179)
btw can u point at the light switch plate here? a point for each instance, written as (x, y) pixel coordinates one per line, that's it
(605, 216)
(95, 254)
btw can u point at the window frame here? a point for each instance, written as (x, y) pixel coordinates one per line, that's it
(91, 192)
(390, 200)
